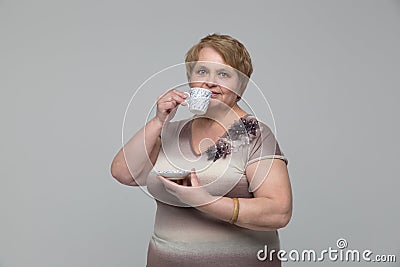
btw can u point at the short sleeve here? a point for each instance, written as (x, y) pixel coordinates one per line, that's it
(264, 146)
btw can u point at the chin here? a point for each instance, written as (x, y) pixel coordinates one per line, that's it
(216, 104)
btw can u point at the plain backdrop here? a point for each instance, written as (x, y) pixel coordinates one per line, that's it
(330, 71)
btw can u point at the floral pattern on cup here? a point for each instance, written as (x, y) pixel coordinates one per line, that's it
(198, 100)
(198, 92)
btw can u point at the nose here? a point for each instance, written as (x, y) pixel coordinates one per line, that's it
(210, 85)
(210, 82)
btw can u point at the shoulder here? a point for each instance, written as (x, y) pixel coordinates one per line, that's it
(256, 128)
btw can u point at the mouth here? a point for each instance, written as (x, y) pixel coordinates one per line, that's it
(215, 94)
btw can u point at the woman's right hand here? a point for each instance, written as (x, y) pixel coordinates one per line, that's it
(168, 103)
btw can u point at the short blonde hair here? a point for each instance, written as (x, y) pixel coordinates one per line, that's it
(232, 51)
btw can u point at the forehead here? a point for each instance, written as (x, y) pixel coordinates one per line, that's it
(211, 55)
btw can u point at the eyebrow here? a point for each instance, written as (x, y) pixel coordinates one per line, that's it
(226, 69)
(200, 66)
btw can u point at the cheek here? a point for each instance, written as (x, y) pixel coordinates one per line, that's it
(230, 97)
(228, 93)
(230, 85)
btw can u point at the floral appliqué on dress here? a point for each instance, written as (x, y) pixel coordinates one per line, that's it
(241, 133)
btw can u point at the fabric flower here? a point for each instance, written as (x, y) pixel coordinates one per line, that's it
(241, 132)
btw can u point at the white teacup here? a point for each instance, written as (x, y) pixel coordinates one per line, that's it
(198, 100)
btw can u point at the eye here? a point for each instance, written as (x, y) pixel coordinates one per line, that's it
(201, 72)
(223, 74)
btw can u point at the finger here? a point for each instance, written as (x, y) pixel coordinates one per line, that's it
(167, 106)
(168, 183)
(194, 179)
(175, 94)
(165, 94)
(167, 99)
(171, 112)
(180, 94)
(177, 98)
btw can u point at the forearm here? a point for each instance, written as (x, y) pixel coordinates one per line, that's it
(137, 152)
(261, 214)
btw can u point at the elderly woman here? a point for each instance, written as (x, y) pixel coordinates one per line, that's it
(238, 192)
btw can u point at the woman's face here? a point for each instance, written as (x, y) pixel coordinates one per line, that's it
(212, 73)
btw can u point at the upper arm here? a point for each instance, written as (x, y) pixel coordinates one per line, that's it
(266, 168)
(154, 153)
(269, 178)
(141, 177)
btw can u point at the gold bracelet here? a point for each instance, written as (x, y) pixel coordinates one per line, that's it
(235, 214)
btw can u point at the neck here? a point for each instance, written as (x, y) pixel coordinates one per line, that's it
(211, 119)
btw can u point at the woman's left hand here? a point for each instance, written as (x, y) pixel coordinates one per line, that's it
(192, 194)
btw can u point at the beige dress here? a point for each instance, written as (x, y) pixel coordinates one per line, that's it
(184, 236)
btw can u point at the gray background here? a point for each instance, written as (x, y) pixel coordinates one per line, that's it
(68, 69)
